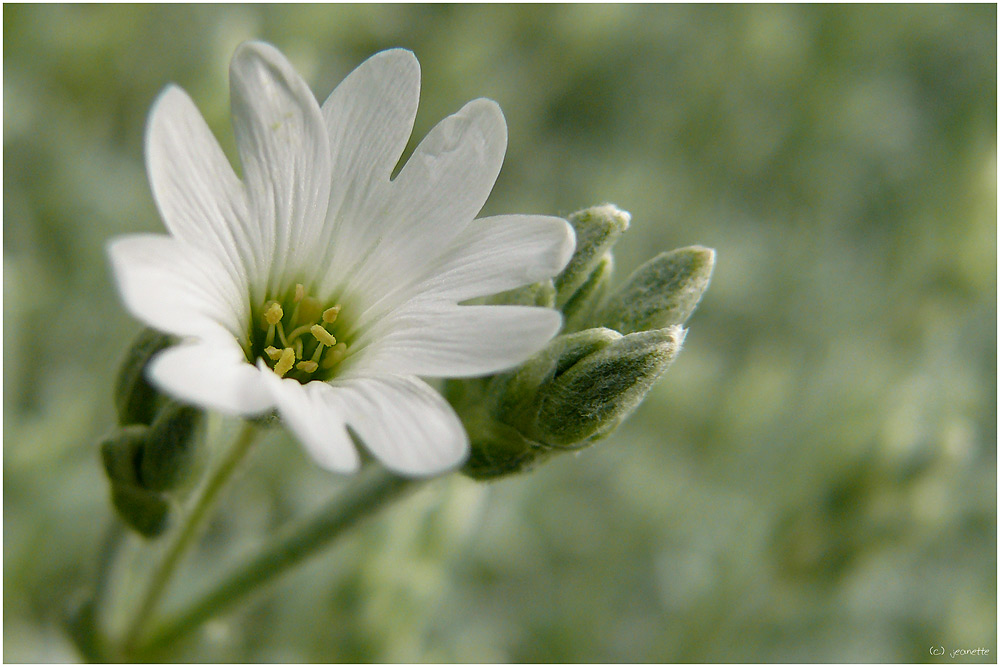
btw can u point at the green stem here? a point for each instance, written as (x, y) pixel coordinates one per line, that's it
(372, 492)
(186, 533)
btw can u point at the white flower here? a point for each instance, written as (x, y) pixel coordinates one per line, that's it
(319, 287)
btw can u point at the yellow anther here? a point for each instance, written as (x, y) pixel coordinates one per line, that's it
(298, 348)
(322, 335)
(274, 313)
(272, 352)
(285, 362)
(330, 314)
(300, 291)
(307, 366)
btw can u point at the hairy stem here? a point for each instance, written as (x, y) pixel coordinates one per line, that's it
(373, 491)
(185, 534)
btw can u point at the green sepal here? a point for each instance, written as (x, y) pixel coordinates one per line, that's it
(135, 399)
(170, 453)
(597, 229)
(143, 510)
(580, 309)
(662, 292)
(121, 453)
(499, 450)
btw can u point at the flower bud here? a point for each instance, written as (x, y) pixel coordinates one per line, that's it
(497, 411)
(122, 452)
(579, 310)
(597, 229)
(589, 399)
(135, 399)
(662, 292)
(169, 453)
(518, 402)
(573, 393)
(144, 510)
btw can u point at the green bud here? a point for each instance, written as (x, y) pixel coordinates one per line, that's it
(169, 454)
(144, 510)
(579, 310)
(662, 292)
(541, 294)
(597, 229)
(571, 394)
(135, 399)
(587, 400)
(518, 402)
(121, 453)
(494, 411)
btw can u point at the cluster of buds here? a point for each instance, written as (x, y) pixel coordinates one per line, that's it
(152, 452)
(613, 348)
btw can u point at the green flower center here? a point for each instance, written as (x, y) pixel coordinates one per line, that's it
(296, 336)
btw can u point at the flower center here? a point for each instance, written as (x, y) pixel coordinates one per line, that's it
(296, 337)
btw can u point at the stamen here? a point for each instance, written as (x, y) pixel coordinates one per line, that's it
(281, 335)
(330, 314)
(300, 291)
(285, 362)
(298, 348)
(318, 352)
(307, 366)
(274, 313)
(272, 352)
(322, 335)
(298, 331)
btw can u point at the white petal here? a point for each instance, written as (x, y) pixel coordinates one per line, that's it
(285, 153)
(369, 118)
(212, 374)
(440, 340)
(407, 425)
(198, 195)
(176, 287)
(496, 254)
(439, 191)
(317, 418)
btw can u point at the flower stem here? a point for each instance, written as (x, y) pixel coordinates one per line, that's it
(186, 533)
(376, 489)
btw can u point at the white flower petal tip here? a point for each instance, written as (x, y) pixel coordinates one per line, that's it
(407, 425)
(317, 285)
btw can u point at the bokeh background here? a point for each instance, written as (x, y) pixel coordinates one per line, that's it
(813, 480)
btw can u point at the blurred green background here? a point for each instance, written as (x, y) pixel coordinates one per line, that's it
(813, 480)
